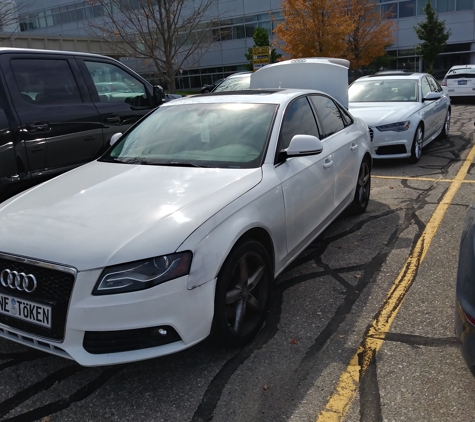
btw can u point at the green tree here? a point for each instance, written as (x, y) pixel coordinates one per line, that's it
(434, 36)
(261, 39)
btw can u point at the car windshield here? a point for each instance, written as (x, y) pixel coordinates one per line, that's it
(222, 135)
(236, 83)
(383, 90)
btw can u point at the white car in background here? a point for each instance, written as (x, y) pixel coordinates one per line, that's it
(404, 111)
(180, 228)
(460, 81)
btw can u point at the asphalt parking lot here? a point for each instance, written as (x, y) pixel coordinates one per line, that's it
(361, 326)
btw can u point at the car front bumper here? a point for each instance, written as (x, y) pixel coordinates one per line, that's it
(391, 144)
(189, 313)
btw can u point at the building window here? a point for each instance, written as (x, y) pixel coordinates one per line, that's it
(407, 8)
(390, 9)
(464, 4)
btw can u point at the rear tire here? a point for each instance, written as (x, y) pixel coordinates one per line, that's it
(363, 188)
(416, 149)
(243, 294)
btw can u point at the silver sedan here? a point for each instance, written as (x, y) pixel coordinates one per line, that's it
(405, 111)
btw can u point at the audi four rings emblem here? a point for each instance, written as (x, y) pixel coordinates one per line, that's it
(19, 281)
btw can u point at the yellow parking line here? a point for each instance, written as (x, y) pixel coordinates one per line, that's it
(340, 401)
(424, 179)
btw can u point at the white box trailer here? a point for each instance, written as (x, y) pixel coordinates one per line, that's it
(323, 74)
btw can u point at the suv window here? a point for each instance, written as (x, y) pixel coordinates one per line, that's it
(37, 84)
(298, 120)
(328, 114)
(115, 85)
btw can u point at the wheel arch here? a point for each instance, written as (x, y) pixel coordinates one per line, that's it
(367, 156)
(261, 235)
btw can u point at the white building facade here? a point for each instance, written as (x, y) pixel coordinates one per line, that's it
(238, 18)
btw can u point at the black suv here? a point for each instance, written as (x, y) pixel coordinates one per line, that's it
(59, 110)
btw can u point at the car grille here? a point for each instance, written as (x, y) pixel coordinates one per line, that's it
(391, 149)
(54, 289)
(371, 133)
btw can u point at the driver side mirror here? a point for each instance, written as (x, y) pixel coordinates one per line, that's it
(158, 95)
(302, 145)
(432, 96)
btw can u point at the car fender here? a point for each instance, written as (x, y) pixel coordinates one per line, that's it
(261, 207)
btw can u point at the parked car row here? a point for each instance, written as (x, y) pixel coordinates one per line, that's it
(178, 230)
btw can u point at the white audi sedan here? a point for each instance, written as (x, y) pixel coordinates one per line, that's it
(404, 111)
(179, 230)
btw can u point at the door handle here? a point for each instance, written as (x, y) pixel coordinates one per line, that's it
(354, 146)
(37, 127)
(113, 119)
(328, 164)
(89, 138)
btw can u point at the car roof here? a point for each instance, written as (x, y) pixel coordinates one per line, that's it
(463, 66)
(4, 50)
(238, 74)
(400, 75)
(392, 72)
(255, 96)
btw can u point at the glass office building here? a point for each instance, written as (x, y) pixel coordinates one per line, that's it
(238, 18)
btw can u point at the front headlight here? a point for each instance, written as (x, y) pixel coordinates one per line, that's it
(395, 127)
(140, 275)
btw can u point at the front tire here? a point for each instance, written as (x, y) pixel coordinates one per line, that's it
(416, 149)
(363, 188)
(446, 128)
(243, 294)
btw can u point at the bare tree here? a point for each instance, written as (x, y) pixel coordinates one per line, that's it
(8, 17)
(171, 34)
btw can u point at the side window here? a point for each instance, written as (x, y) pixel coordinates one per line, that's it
(329, 115)
(347, 119)
(434, 85)
(298, 120)
(38, 84)
(115, 85)
(426, 88)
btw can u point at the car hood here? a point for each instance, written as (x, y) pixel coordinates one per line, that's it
(103, 214)
(375, 114)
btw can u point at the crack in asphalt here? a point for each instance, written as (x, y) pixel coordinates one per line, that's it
(64, 403)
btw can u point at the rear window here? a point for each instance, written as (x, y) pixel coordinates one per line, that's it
(461, 73)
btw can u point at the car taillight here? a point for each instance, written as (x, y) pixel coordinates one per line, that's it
(470, 318)
(444, 82)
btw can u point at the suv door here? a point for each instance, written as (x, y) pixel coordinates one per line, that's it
(120, 97)
(60, 127)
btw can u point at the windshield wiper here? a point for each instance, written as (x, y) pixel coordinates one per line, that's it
(180, 164)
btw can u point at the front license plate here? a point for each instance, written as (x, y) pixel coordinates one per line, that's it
(25, 310)
(462, 82)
